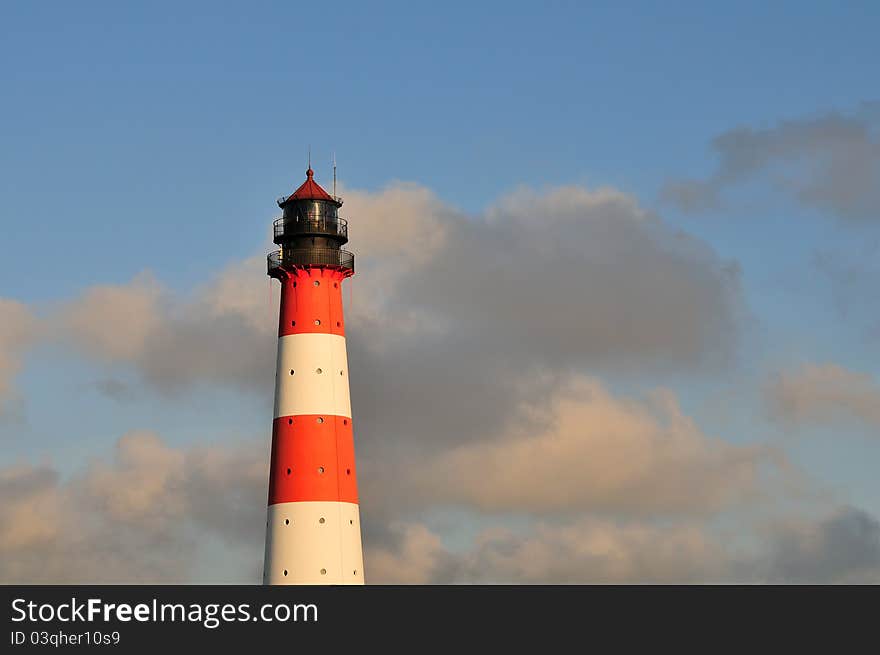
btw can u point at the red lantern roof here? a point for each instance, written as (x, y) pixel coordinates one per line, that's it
(310, 190)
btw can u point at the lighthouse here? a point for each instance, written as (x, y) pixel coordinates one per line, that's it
(313, 531)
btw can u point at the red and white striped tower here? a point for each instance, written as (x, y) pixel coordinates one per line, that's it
(313, 531)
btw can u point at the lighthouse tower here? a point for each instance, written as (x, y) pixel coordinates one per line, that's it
(313, 531)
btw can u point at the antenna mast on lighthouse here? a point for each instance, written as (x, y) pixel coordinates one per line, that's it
(313, 531)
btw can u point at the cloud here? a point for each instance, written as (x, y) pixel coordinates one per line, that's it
(469, 337)
(151, 513)
(853, 275)
(18, 330)
(115, 389)
(597, 552)
(830, 163)
(591, 451)
(138, 517)
(113, 322)
(30, 511)
(469, 319)
(490, 313)
(843, 548)
(219, 335)
(416, 556)
(824, 394)
(568, 275)
(560, 278)
(583, 551)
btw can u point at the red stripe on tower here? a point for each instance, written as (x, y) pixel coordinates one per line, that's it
(313, 533)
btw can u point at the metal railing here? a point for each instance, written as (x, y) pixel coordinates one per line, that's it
(305, 257)
(282, 199)
(310, 224)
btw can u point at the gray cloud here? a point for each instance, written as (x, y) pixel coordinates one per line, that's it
(408, 553)
(471, 325)
(824, 394)
(853, 276)
(151, 513)
(583, 551)
(594, 452)
(114, 389)
(841, 548)
(831, 163)
(489, 313)
(18, 330)
(141, 516)
(567, 276)
(221, 335)
(468, 337)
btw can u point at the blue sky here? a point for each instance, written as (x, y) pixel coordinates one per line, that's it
(142, 118)
(157, 136)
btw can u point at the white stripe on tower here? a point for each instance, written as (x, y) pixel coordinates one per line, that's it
(312, 375)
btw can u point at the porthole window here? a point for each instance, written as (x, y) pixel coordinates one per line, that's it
(338, 324)
(293, 324)
(345, 421)
(335, 285)
(285, 573)
(291, 371)
(288, 471)
(317, 321)
(340, 372)
(323, 571)
(351, 521)
(320, 419)
(321, 520)
(348, 471)
(320, 469)
(290, 421)
(355, 572)
(317, 283)
(286, 521)
(318, 371)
